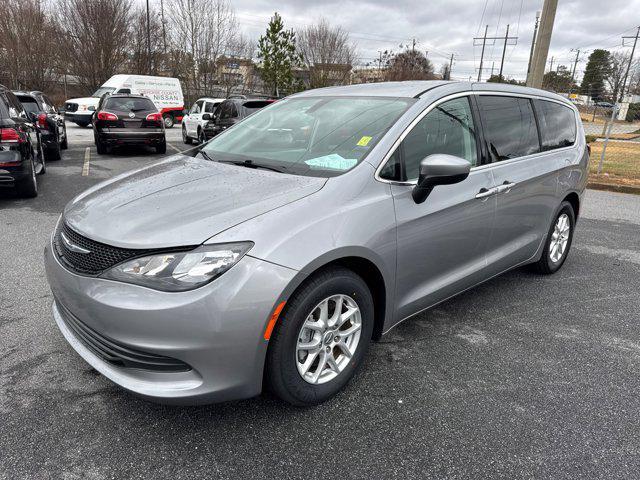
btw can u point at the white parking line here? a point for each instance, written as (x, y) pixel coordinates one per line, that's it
(174, 147)
(87, 160)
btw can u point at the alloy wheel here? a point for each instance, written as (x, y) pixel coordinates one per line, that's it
(328, 339)
(560, 238)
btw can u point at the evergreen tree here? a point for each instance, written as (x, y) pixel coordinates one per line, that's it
(595, 73)
(278, 55)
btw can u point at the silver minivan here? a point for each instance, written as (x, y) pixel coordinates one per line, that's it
(275, 253)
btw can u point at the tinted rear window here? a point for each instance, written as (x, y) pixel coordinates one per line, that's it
(557, 124)
(29, 103)
(509, 126)
(129, 104)
(4, 109)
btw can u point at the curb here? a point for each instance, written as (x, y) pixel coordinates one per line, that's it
(612, 187)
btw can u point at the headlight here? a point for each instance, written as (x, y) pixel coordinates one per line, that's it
(180, 271)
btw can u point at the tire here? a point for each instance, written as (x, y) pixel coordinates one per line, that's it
(28, 187)
(283, 357)
(101, 148)
(551, 262)
(64, 144)
(169, 122)
(43, 160)
(186, 138)
(201, 136)
(82, 124)
(54, 153)
(162, 148)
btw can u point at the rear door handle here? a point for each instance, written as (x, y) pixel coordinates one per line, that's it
(486, 192)
(506, 187)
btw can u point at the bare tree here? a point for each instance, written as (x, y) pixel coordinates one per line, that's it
(26, 36)
(204, 30)
(327, 52)
(95, 38)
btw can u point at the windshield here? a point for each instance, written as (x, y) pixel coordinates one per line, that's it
(102, 90)
(317, 136)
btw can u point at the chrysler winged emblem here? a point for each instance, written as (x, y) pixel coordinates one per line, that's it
(72, 246)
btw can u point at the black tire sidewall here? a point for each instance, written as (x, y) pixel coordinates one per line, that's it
(281, 364)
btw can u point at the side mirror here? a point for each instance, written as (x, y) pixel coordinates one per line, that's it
(439, 169)
(206, 116)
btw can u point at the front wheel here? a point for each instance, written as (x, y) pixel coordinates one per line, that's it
(321, 337)
(558, 241)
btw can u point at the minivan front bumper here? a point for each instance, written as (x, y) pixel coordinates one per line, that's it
(216, 330)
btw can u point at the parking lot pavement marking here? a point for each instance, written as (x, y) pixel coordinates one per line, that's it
(174, 147)
(87, 160)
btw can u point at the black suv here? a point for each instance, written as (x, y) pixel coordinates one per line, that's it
(53, 131)
(21, 156)
(230, 112)
(126, 119)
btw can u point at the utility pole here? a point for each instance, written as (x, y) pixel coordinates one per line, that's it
(633, 50)
(493, 64)
(504, 51)
(551, 64)
(484, 42)
(450, 67)
(413, 48)
(164, 29)
(148, 38)
(533, 43)
(484, 39)
(541, 49)
(575, 64)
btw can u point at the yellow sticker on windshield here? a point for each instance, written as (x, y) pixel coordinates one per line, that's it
(364, 141)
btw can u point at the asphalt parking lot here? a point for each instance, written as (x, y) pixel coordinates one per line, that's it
(525, 376)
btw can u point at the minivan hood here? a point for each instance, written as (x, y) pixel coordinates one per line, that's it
(181, 201)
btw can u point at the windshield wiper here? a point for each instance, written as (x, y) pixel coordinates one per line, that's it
(205, 155)
(251, 164)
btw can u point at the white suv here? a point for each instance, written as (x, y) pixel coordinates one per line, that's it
(193, 124)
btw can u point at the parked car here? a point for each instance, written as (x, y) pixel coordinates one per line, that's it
(127, 119)
(21, 155)
(193, 124)
(275, 254)
(165, 92)
(53, 131)
(230, 112)
(604, 104)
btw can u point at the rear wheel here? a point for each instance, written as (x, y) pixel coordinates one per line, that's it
(64, 144)
(162, 148)
(28, 187)
(558, 242)
(321, 338)
(186, 138)
(168, 121)
(53, 153)
(101, 147)
(201, 136)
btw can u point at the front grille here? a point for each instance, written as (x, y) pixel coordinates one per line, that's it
(70, 107)
(100, 256)
(117, 354)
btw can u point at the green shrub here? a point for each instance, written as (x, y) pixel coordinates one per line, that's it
(590, 138)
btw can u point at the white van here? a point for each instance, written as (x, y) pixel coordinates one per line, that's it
(165, 92)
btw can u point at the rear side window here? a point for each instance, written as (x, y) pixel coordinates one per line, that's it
(4, 107)
(509, 126)
(129, 104)
(29, 103)
(15, 107)
(557, 125)
(228, 110)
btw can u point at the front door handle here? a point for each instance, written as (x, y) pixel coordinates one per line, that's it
(486, 192)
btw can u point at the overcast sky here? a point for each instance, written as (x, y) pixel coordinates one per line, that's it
(442, 27)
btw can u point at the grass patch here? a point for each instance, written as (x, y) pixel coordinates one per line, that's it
(621, 163)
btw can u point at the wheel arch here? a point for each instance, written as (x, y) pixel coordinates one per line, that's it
(574, 199)
(363, 264)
